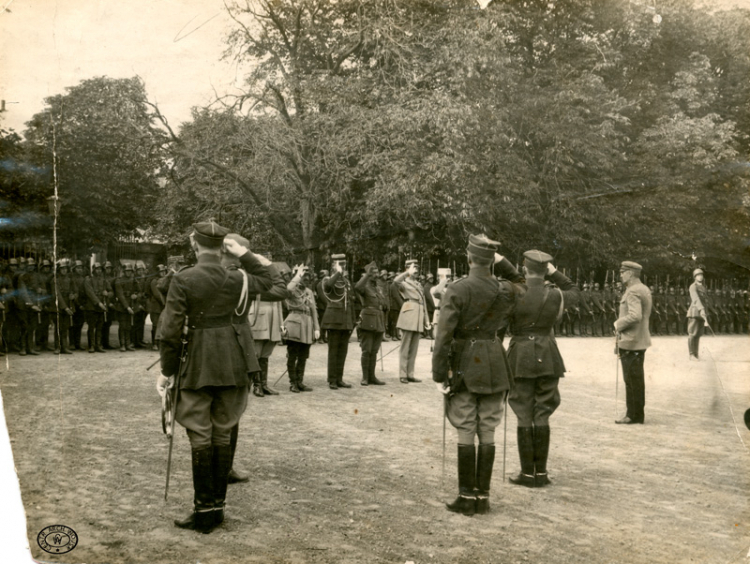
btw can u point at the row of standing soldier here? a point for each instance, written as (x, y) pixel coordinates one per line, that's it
(33, 298)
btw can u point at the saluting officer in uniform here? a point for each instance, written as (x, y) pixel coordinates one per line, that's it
(212, 392)
(338, 320)
(412, 320)
(469, 357)
(266, 320)
(371, 322)
(535, 360)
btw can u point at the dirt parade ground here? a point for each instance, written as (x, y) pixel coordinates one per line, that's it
(356, 476)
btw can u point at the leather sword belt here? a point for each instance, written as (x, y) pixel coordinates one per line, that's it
(476, 335)
(526, 332)
(211, 322)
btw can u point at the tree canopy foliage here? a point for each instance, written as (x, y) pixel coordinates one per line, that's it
(592, 129)
(105, 155)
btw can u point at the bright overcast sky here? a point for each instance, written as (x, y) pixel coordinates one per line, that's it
(174, 45)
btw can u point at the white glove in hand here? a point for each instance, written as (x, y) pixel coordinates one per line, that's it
(442, 388)
(551, 269)
(498, 258)
(316, 334)
(163, 383)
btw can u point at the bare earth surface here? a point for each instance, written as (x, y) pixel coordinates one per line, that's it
(354, 476)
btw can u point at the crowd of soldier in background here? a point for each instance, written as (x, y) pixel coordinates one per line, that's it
(33, 301)
(46, 310)
(596, 312)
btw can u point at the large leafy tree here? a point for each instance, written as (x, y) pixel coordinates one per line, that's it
(105, 152)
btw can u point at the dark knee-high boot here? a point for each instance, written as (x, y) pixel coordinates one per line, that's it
(301, 374)
(202, 517)
(222, 466)
(541, 450)
(526, 454)
(263, 362)
(465, 503)
(291, 368)
(234, 476)
(485, 462)
(365, 361)
(257, 386)
(373, 365)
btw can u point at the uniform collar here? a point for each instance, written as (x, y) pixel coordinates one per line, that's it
(208, 258)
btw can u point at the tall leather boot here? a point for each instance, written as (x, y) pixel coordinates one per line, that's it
(222, 465)
(202, 517)
(264, 378)
(365, 361)
(526, 454)
(373, 365)
(128, 342)
(98, 342)
(465, 503)
(485, 462)
(234, 476)
(300, 376)
(257, 387)
(541, 450)
(291, 368)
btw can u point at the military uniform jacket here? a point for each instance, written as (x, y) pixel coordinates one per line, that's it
(472, 311)
(632, 323)
(94, 288)
(63, 289)
(413, 315)
(533, 351)
(698, 301)
(302, 321)
(156, 300)
(265, 315)
(374, 303)
(339, 314)
(125, 289)
(219, 352)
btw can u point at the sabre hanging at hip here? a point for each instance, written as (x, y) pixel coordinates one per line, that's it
(617, 370)
(173, 411)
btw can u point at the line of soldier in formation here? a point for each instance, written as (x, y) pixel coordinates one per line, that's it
(102, 296)
(34, 299)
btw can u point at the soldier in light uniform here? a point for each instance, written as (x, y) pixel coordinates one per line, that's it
(412, 320)
(535, 360)
(266, 321)
(212, 393)
(470, 367)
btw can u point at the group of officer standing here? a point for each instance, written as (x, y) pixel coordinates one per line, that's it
(67, 296)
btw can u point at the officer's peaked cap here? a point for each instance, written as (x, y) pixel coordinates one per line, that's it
(537, 256)
(410, 262)
(482, 246)
(340, 256)
(209, 234)
(630, 265)
(97, 265)
(697, 271)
